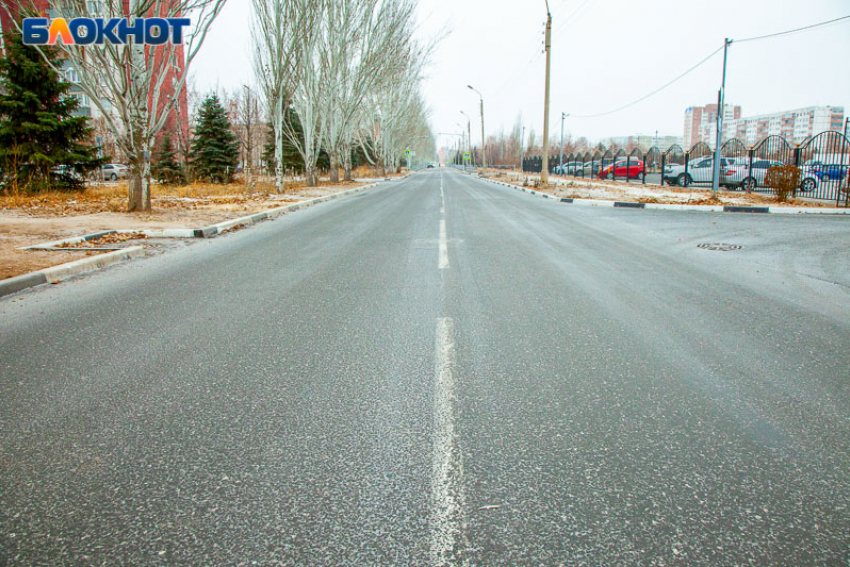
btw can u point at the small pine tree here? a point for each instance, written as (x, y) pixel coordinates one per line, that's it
(215, 150)
(41, 144)
(166, 169)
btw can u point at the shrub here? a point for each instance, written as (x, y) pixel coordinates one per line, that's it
(784, 180)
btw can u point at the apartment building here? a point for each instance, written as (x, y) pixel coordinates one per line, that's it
(701, 122)
(793, 125)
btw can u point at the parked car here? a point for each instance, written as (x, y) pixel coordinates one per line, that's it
(700, 170)
(624, 167)
(66, 171)
(114, 171)
(750, 178)
(590, 169)
(816, 173)
(569, 168)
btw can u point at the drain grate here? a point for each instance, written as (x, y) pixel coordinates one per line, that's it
(719, 246)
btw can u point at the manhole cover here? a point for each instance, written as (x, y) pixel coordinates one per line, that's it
(720, 246)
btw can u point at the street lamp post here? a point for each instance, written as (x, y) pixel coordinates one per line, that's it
(483, 139)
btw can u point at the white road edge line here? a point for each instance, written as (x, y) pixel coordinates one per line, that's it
(447, 465)
(444, 247)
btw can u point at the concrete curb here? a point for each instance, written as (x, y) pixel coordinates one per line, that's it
(65, 271)
(675, 207)
(215, 229)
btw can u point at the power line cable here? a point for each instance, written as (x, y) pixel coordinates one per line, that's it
(796, 30)
(755, 38)
(656, 91)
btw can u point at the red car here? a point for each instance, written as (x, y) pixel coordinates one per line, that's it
(632, 166)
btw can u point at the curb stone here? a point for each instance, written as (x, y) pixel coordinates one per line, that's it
(683, 207)
(61, 272)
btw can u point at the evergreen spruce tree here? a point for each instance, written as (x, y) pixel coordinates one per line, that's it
(165, 168)
(215, 150)
(38, 134)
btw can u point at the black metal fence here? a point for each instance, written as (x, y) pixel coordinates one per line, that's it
(824, 162)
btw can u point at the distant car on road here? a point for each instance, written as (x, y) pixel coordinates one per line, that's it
(628, 167)
(429, 166)
(114, 171)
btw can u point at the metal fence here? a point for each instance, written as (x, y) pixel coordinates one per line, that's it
(824, 162)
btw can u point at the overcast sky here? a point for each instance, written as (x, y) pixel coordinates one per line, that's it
(604, 55)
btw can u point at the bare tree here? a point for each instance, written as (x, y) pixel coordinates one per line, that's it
(361, 50)
(127, 82)
(283, 30)
(244, 112)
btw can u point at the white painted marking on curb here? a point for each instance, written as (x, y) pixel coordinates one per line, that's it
(444, 247)
(446, 465)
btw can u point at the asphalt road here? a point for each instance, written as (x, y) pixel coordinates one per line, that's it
(439, 372)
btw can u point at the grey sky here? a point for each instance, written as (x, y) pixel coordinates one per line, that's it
(605, 54)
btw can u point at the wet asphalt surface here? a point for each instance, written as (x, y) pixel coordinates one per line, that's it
(613, 393)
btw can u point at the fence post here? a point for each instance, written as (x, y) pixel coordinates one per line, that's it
(750, 154)
(687, 162)
(797, 153)
(628, 163)
(663, 164)
(644, 168)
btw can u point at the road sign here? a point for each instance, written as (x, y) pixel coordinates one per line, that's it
(466, 156)
(406, 153)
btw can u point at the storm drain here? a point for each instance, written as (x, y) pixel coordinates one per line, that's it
(719, 246)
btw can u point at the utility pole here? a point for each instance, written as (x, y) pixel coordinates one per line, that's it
(468, 135)
(483, 139)
(521, 151)
(561, 161)
(544, 173)
(715, 182)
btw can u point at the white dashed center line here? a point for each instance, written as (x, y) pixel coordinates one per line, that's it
(447, 465)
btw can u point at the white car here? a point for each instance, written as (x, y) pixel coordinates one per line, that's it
(114, 171)
(747, 178)
(570, 168)
(700, 170)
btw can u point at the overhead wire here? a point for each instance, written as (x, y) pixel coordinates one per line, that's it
(796, 30)
(656, 91)
(706, 59)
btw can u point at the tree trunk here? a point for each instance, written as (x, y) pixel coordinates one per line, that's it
(140, 195)
(278, 146)
(310, 176)
(346, 165)
(334, 173)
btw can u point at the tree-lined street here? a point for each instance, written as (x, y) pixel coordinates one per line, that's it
(440, 371)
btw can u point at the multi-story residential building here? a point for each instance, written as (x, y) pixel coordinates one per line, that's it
(793, 125)
(177, 121)
(701, 123)
(645, 141)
